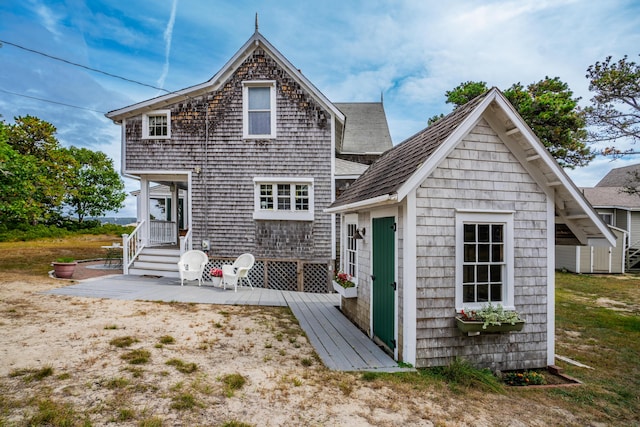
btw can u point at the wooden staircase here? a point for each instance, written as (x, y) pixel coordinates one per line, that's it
(156, 262)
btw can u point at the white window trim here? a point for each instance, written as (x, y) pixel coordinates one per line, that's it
(145, 124)
(497, 217)
(290, 215)
(271, 84)
(349, 219)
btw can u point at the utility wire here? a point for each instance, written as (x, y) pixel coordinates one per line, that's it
(52, 102)
(83, 66)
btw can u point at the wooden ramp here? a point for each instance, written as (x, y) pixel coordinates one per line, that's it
(339, 343)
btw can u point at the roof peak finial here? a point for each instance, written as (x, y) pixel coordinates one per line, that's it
(256, 22)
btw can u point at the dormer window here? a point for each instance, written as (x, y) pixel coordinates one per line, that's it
(259, 109)
(156, 124)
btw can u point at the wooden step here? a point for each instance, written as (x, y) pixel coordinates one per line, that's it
(164, 259)
(151, 272)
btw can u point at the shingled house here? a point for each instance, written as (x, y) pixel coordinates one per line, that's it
(621, 212)
(251, 155)
(459, 215)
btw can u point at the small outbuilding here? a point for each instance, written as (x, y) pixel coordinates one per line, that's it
(462, 214)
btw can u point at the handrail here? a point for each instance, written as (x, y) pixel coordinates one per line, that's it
(186, 243)
(132, 246)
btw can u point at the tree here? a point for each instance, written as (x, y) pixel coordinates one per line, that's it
(94, 187)
(615, 109)
(548, 107)
(35, 168)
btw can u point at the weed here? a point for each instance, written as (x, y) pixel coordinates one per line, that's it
(185, 368)
(150, 422)
(64, 376)
(33, 374)
(109, 327)
(306, 362)
(232, 382)
(268, 345)
(116, 383)
(297, 382)
(137, 357)
(184, 401)
(279, 336)
(167, 339)
(235, 423)
(53, 413)
(126, 414)
(461, 373)
(122, 342)
(370, 376)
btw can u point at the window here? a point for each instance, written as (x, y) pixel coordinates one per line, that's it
(484, 259)
(156, 124)
(283, 198)
(259, 109)
(607, 218)
(351, 248)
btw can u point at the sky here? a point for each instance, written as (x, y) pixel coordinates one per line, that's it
(409, 52)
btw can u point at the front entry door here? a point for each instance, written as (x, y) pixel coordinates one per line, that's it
(384, 280)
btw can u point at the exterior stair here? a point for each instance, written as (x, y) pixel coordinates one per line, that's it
(156, 262)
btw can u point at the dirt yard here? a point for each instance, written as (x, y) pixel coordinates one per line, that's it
(83, 361)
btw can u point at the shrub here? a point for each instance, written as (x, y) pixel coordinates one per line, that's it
(523, 378)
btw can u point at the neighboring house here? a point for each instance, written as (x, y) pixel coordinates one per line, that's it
(253, 150)
(461, 214)
(619, 210)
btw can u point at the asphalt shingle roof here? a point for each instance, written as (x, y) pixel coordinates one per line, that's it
(366, 127)
(398, 164)
(619, 177)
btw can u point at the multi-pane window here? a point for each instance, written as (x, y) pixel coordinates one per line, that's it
(156, 124)
(284, 200)
(259, 109)
(484, 259)
(483, 264)
(351, 251)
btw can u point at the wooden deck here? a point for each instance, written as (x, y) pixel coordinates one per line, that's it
(339, 343)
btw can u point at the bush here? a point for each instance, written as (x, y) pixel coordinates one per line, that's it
(523, 378)
(27, 232)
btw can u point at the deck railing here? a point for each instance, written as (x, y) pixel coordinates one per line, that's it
(132, 245)
(186, 242)
(162, 233)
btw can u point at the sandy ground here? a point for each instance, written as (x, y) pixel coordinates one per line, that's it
(285, 382)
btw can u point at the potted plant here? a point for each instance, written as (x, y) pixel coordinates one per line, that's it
(64, 267)
(491, 318)
(343, 285)
(216, 276)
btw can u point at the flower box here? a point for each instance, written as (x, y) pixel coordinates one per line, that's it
(475, 327)
(351, 292)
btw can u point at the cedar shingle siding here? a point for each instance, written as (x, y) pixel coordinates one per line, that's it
(206, 131)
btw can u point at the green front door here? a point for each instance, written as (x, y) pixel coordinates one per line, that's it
(384, 285)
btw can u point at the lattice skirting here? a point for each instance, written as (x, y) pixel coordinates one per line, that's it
(304, 276)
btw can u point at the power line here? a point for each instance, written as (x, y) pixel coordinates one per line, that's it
(83, 66)
(50, 101)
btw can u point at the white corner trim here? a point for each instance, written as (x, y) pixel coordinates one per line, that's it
(551, 282)
(409, 281)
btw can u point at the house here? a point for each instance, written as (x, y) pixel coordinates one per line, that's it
(252, 154)
(621, 211)
(461, 214)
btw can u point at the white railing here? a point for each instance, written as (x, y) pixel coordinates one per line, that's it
(162, 232)
(132, 245)
(186, 242)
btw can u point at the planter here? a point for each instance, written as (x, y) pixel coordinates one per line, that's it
(64, 270)
(215, 281)
(345, 292)
(473, 327)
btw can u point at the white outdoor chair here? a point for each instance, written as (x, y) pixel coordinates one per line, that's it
(238, 271)
(191, 266)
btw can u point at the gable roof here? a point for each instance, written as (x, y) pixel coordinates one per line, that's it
(348, 170)
(403, 168)
(619, 177)
(255, 41)
(366, 128)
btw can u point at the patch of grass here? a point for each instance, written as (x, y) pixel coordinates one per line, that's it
(126, 414)
(64, 376)
(122, 342)
(232, 382)
(185, 368)
(305, 361)
(116, 383)
(460, 373)
(137, 357)
(31, 374)
(235, 423)
(184, 401)
(167, 339)
(111, 327)
(150, 422)
(53, 413)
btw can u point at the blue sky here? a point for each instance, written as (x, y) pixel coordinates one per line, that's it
(411, 51)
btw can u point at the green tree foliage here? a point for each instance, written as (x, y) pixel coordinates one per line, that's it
(94, 187)
(548, 107)
(37, 175)
(615, 107)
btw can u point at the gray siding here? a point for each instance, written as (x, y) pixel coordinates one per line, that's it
(206, 132)
(481, 174)
(566, 258)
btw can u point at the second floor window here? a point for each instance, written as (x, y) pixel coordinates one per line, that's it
(259, 109)
(156, 125)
